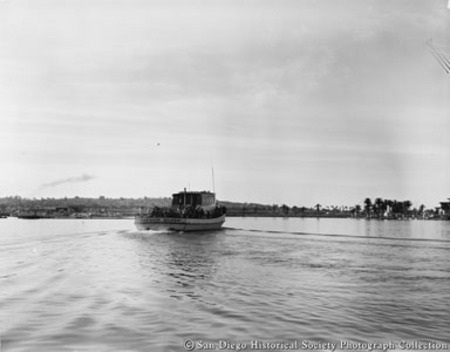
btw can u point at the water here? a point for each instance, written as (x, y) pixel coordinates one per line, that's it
(101, 285)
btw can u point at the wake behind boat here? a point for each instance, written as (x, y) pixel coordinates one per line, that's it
(190, 211)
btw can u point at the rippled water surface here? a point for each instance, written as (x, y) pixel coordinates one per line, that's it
(101, 285)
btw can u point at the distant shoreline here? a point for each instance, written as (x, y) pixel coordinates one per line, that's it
(120, 208)
(231, 216)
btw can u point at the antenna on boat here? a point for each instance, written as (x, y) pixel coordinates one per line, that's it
(213, 182)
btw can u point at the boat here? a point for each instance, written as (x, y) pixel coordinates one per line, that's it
(32, 214)
(190, 211)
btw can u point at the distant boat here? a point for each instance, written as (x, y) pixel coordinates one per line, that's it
(190, 211)
(30, 217)
(32, 214)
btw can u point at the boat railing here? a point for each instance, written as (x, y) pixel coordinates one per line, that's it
(187, 212)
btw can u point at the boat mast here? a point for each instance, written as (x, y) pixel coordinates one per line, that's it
(213, 183)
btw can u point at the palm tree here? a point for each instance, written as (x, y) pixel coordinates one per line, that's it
(285, 209)
(275, 209)
(378, 207)
(368, 206)
(318, 206)
(422, 211)
(406, 204)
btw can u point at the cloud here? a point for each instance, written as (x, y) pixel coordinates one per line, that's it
(77, 179)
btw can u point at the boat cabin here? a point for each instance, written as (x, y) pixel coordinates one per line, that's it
(203, 199)
(445, 209)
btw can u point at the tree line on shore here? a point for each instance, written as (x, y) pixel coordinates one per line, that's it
(377, 209)
(121, 207)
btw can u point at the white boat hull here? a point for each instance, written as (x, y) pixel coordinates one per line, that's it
(178, 224)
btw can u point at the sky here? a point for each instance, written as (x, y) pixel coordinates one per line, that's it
(293, 102)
